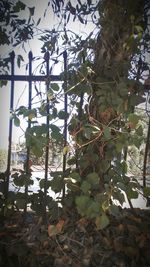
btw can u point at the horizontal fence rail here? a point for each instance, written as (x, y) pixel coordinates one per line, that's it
(33, 78)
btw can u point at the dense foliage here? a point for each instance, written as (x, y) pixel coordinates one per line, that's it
(96, 133)
(103, 85)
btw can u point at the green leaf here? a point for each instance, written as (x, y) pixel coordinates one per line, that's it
(119, 196)
(42, 109)
(57, 184)
(136, 100)
(20, 203)
(56, 135)
(71, 8)
(122, 88)
(124, 166)
(62, 115)
(114, 210)
(119, 147)
(50, 95)
(132, 194)
(93, 178)
(19, 181)
(88, 132)
(41, 129)
(54, 128)
(138, 28)
(42, 183)
(102, 221)
(107, 133)
(133, 119)
(28, 113)
(93, 210)
(146, 191)
(85, 187)
(19, 6)
(71, 161)
(105, 164)
(121, 186)
(54, 86)
(16, 121)
(32, 114)
(82, 202)
(23, 180)
(19, 59)
(37, 150)
(76, 176)
(3, 83)
(105, 205)
(139, 130)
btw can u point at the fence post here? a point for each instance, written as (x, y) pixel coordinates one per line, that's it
(146, 154)
(12, 58)
(27, 165)
(46, 57)
(65, 120)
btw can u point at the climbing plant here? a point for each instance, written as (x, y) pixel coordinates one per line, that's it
(107, 124)
(104, 85)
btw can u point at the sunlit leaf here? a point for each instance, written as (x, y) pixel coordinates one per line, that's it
(105, 205)
(50, 95)
(60, 225)
(76, 176)
(55, 229)
(52, 230)
(32, 115)
(66, 149)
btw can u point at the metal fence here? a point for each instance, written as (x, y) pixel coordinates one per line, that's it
(47, 78)
(30, 78)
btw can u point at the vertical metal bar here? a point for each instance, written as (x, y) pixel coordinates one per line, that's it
(80, 111)
(27, 165)
(47, 137)
(12, 58)
(147, 145)
(65, 121)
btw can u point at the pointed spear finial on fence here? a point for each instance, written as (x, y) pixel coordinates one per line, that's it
(12, 56)
(47, 56)
(65, 55)
(30, 55)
